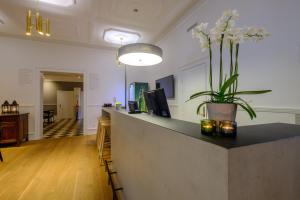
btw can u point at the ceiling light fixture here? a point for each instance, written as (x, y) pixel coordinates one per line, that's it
(63, 3)
(36, 20)
(140, 54)
(115, 36)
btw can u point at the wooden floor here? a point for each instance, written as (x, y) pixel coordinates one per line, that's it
(58, 169)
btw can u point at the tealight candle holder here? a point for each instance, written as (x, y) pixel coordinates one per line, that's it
(208, 127)
(118, 106)
(228, 128)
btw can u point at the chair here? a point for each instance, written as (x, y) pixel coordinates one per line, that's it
(48, 116)
(51, 115)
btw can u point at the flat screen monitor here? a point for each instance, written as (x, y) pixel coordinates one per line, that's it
(167, 83)
(150, 101)
(156, 102)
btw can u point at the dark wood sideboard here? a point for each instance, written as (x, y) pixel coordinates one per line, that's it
(13, 128)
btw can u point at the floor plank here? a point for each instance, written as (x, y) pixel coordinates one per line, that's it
(65, 168)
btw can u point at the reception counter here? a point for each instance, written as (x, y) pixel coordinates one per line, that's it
(159, 159)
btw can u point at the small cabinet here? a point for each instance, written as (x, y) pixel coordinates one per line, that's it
(13, 128)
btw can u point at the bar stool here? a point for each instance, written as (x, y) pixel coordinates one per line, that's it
(103, 137)
(104, 141)
(98, 135)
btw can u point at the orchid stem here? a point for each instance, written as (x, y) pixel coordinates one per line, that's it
(221, 62)
(210, 66)
(236, 67)
(231, 64)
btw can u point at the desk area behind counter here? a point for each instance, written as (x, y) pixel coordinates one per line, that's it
(160, 158)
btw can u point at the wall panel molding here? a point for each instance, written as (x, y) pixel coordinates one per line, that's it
(297, 119)
(26, 106)
(276, 110)
(94, 105)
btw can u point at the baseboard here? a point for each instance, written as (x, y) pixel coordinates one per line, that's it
(32, 136)
(90, 131)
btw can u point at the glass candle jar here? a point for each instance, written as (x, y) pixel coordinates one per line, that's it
(118, 106)
(228, 128)
(208, 127)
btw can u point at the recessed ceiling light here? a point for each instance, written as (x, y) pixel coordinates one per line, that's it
(64, 3)
(120, 37)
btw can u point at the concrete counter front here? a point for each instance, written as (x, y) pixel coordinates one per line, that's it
(164, 159)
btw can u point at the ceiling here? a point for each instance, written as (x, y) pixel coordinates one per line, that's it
(85, 22)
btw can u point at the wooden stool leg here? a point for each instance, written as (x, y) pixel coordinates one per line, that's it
(1, 158)
(101, 147)
(98, 135)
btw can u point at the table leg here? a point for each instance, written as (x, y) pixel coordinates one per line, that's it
(1, 158)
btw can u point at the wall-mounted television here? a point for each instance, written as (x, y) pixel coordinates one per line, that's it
(168, 84)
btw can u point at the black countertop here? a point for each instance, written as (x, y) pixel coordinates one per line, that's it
(246, 135)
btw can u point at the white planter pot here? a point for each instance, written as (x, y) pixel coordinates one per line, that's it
(221, 111)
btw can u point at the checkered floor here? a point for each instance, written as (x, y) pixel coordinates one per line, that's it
(63, 128)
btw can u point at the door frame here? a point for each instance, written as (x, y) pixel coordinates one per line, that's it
(202, 63)
(39, 98)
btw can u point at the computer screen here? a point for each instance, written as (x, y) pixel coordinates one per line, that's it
(156, 102)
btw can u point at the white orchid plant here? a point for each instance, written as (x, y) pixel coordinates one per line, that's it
(225, 34)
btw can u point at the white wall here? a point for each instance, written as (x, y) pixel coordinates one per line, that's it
(270, 64)
(50, 89)
(104, 80)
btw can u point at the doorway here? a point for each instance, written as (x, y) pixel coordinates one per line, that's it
(62, 104)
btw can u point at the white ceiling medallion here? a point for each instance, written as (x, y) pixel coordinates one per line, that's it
(120, 37)
(63, 3)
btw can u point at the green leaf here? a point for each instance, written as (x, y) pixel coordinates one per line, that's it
(248, 92)
(225, 79)
(199, 107)
(228, 83)
(248, 106)
(246, 109)
(199, 94)
(244, 104)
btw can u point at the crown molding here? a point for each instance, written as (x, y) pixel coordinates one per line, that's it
(55, 41)
(181, 18)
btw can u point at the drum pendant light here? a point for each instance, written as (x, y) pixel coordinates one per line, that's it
(140, 54)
